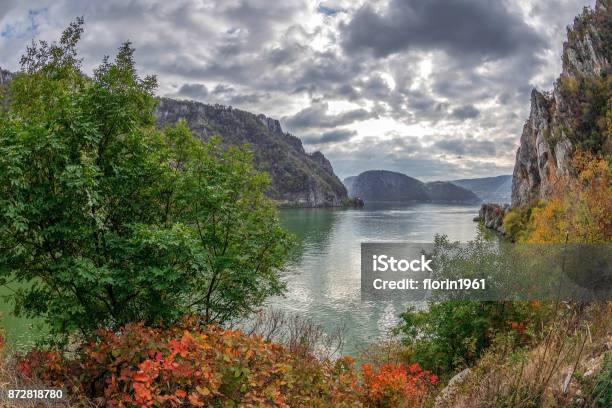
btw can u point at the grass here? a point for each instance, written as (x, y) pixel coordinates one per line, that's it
(561, 370)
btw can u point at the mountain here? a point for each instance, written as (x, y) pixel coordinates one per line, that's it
(383, 185)
(297, 178)
(573, 114)
(348, 183)
(490, 189)
(446, 192)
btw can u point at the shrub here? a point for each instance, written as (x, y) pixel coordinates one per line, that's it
(452, 335)
(394, 385)
(569, 367)
(199, 367)
(453, 332)
(144, 366)
(578, 209)
(106, 220)
(515, 222)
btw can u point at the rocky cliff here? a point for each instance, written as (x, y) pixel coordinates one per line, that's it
(348, 183)
(571, 114)
(5, 77)
(298, 178)
(492, 215)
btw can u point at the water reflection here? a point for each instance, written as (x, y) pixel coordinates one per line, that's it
(323, 278)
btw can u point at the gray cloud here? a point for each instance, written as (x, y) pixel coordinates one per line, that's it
(5, 7)
(471, 146)
(465, 112)
(196, 91)
(317, 116)
(481, 28)
(332, 136)
(408, 155)
(418, 63)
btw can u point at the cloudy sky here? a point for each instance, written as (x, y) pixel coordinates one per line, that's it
(437, 89)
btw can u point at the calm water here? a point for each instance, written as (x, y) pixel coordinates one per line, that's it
(323, 279)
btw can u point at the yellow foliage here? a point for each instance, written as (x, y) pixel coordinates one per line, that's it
(580, 207)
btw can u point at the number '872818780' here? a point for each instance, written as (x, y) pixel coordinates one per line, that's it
(51, 394)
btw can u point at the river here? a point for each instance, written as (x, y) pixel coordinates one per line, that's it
(323, 277)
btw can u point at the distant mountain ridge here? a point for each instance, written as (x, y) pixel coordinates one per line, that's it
(490, 189)
(446, 192)
(298, 178)
(384, 185)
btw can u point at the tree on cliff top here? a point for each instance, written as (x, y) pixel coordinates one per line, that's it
(106, 220)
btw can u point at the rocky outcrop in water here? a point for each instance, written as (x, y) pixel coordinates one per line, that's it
(557, 121)
(492, 215)
(298, 178)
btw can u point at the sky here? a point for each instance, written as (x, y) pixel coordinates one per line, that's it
(436, 89)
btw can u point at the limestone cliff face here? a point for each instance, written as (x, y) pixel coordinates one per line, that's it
(5, 77)
(550, 134)
(298, 178)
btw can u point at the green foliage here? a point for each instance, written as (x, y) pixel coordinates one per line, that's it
(516, 222)
(596, 389)
(109, 220)
(452, 334)
(602, 392)
(589, 105)
(353, 202)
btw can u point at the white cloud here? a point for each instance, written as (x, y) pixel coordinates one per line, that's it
(297, 59)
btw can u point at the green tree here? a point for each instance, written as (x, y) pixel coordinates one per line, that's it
(105, 219)
(453, 332)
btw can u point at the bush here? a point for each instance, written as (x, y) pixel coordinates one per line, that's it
(395, 385)
(216, 367)
(453, 335)
(106, 220)
(578, 209)
(569, 367)
(453, 332)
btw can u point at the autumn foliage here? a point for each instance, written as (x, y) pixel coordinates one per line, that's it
(143, 366)
(578, 209)
(395, 385)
